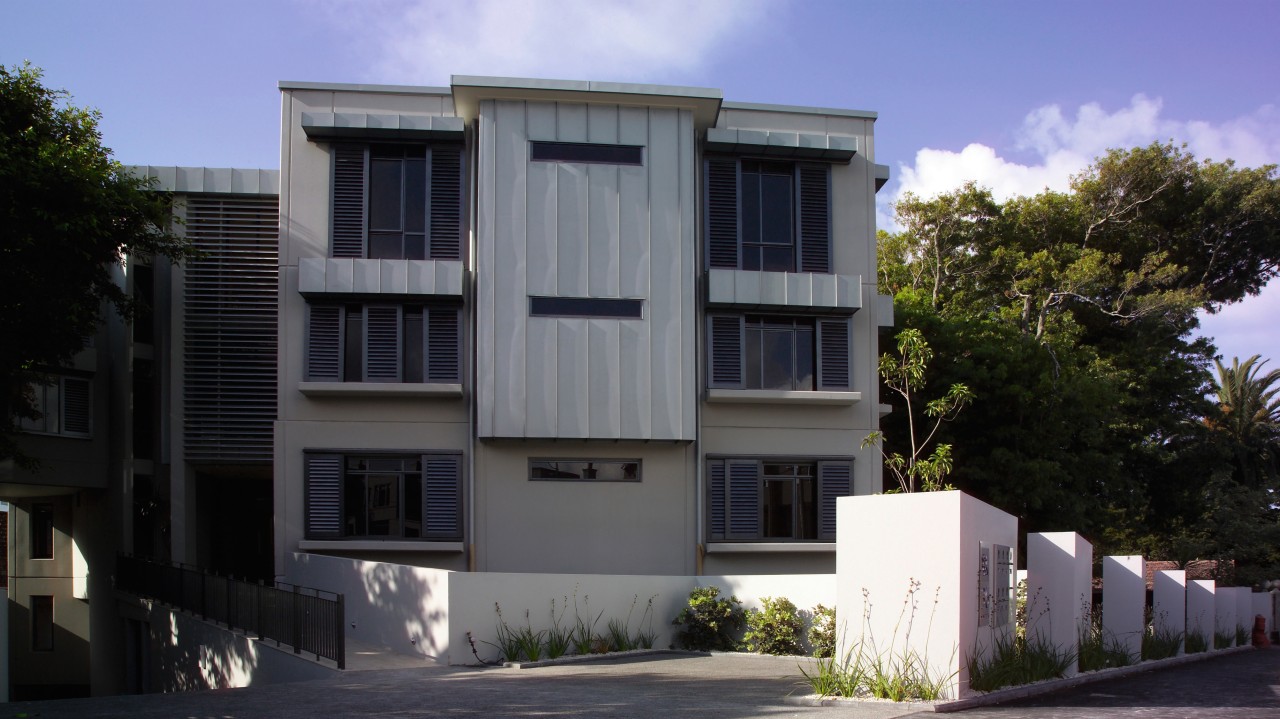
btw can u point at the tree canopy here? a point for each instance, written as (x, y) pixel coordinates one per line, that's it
(69, 213)
(1071, 318)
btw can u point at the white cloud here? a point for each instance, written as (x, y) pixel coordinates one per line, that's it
(1247, 328)
(424, 42)
(1062, 146)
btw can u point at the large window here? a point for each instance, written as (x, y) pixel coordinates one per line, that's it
(775, 500)
(64, 406)
(768, 215)
(384, 343)
(397, 201)
(585, 470)
(778, 352)
(42, 530)
(384, 496)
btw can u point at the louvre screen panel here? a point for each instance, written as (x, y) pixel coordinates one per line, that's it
(815, 218)
(446, 203)
(835, 480)
(744, 500)
(726, 350)
(833, 354)
(722, 214)
(442, 495)
(348, 200)
(229, 339)
(76, 411)
(443, 345)
(324, 343)
(716, 478)
(324, 496)
(382, 350)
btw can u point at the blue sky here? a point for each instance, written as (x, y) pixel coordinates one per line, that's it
(1015, 95)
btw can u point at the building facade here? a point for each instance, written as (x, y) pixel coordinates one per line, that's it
(543, 326)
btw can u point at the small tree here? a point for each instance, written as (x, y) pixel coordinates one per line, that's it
(905, 375)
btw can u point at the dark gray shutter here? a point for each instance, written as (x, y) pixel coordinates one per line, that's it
(722, 213)
(323, 494)
(835, 479)
(348, 200)
(725, 348)
(815, 217)
(716, 510)
(833, 354)
(324, 343)
(75, 406)
(442, 495)
(382, 350)
(744, 499)
(444, 345)
(446, 203)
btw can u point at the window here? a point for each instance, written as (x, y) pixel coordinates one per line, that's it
(593, 152)
(41, 623)
(397, 202)
(778, 352)
(42, 531)
(384, 496)
(64, 406)
(586, 307)
(776, 500)
(384, 343)
(585, 470)
(768, 216)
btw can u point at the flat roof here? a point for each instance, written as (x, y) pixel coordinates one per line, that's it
(469, 90)
(361, 87)
(801, 109)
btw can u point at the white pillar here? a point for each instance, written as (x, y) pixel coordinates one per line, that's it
(1244, 610)
(1059, 588)
(1224, 620)
(1262, 607)
(1201, 609)
(1169, 602)
(1124, 597)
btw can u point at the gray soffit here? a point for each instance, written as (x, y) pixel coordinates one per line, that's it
(801, 109)
(219, 180)
(360, 87)
(341, 125)
(469, 90)
(882, 175)
(789, 291)
(784, 144)
(352, 276)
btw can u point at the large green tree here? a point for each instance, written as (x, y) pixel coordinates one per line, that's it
(69, 214)
(1072, 316)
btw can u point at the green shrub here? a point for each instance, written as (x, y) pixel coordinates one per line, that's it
(1160, 642)
(1223, 640)
(775, 628)
(1017, 661)
(1242, 637)
(710, 622)
(1097, 651)
(1196, 643)
(822, 633)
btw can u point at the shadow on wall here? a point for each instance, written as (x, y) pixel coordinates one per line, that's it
(393, 606)
(192, 656)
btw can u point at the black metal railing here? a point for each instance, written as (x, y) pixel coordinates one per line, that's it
(309, 620)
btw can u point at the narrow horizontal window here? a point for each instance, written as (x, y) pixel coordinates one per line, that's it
(586, 152)
(585, 307)
(590, 470)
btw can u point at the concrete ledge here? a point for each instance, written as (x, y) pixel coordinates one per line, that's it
(772, 396)
(610, 656)
(379, 389)
(769, 547)
(374, 545)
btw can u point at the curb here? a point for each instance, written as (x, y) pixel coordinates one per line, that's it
(609, 656)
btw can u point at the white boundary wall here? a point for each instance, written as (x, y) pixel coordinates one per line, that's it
(1262, 606)
(1224, 620)
(1059, 587)
(887, 542)
(428, 612)
(1244, 610)
(1202, 609)
(1124, 599)
(1169, 602)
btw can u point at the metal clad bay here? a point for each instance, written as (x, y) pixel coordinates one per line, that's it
(603, 370)
(572, 250)
(687, 368)
(542, 377)
(510, 311)
(664, 318)
(571, 122)
(633, 208)
(485, 218)
(602, 229)
(602, 123)
(542, 228)
(542, 121)
(635, 381)
(572, 413)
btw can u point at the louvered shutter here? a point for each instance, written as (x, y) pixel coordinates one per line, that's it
(446, 203)
(725, 348)
(442, 495)
(324, 343)
(323, 477)
(814, 186)
(716, 510)
(349, 189)
(75, 406)
(744, 499)
(835, 480)
(722, 213)
(443, 345)
(833, 354)
(382, 349)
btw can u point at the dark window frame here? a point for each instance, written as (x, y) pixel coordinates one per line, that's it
(589, 461)
(589, 153)
(618, 308)
(428, 338)
(441, 505)
(728, 346)
(41, 519)
(743, 477)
